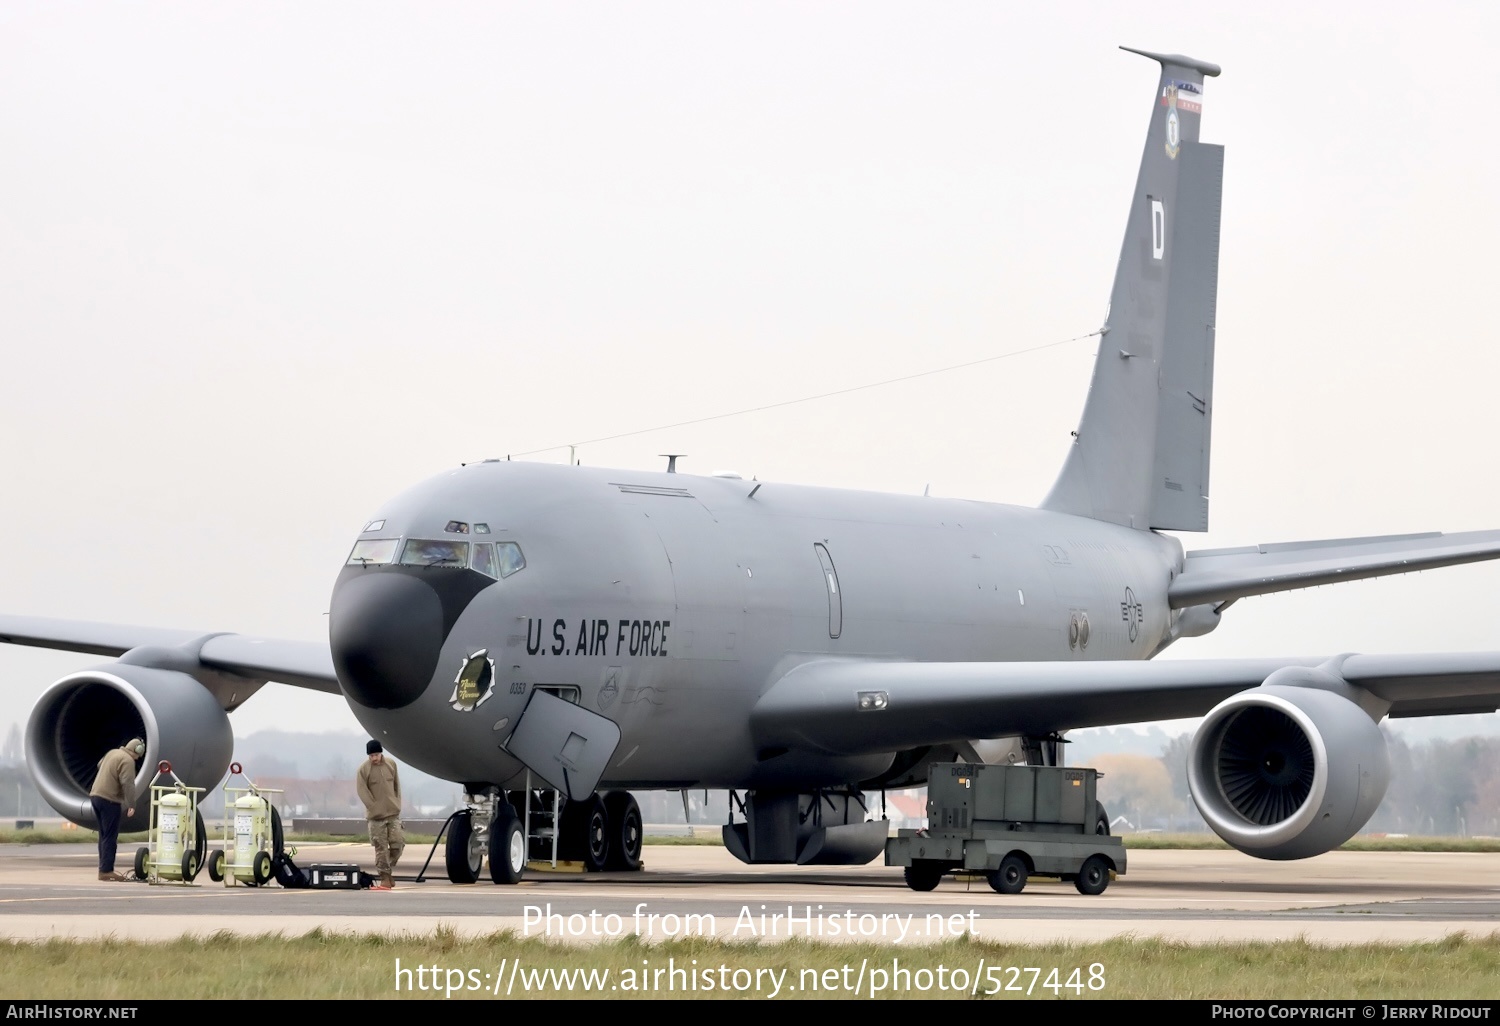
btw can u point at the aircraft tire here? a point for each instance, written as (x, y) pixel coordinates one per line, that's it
(462, 857)
(585, 835)
(507, 846)
(1011, 877)
(625, 831)
(1093, 875)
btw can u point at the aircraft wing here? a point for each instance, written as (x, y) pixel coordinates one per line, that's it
(849, 707)
(303, 664)
(1223, 575)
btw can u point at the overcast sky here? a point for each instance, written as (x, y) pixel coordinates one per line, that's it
(264, 265)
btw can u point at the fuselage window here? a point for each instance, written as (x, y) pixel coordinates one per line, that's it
(420, 552)
(457, 527)
(835, 600)
(372, 551)
(481, 528)
(511, 560)
(484, 559)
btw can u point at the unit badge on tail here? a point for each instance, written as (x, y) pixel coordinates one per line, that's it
(1174, 127)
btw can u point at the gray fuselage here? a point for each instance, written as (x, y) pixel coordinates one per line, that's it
(669, 603)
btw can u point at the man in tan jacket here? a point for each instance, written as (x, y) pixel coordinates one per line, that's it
(113, 790)
(380, 790)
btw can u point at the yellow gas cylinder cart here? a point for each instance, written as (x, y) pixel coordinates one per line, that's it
(175, 838)
(252, 833)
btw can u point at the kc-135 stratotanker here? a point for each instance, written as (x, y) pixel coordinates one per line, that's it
(600, 631)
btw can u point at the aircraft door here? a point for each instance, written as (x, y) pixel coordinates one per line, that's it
(835, 600)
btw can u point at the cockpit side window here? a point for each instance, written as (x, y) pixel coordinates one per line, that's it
(484, 559)
(421, 552)
(511, 560)
(372, 552)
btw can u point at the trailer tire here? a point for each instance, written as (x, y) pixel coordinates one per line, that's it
(142, 858)
(923, 874)
(216, 865)
(1093, 875)
(1010, 878)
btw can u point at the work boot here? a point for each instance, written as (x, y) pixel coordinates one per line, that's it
(388, 880)
(112, 877)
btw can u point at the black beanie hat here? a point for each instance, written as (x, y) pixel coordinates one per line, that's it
(373, 747)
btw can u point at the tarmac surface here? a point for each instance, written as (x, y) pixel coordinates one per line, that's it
(52, 890)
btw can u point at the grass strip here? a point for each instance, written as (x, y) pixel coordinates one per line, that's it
(444, 965)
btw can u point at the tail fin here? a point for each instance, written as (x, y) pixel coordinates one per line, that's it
(1140, 455)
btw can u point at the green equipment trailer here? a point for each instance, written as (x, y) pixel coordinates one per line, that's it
(1009, 823)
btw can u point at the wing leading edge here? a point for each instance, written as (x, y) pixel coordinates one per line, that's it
(819, 706)
(303, 664)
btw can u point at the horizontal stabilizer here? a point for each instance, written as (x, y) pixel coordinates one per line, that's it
(1223, 575)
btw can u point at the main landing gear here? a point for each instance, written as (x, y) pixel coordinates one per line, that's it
(602, 832)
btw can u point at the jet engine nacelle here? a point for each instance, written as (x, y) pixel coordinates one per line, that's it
(84, 715)
(1290, 769)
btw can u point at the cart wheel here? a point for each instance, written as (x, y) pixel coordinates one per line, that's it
(142, 856)
(1093, 877)
(260, 868)
(923, 875)
(216, 865)
(1010, 878)
(189, 865)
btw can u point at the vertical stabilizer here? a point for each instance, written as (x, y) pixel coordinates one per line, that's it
(1140, 455)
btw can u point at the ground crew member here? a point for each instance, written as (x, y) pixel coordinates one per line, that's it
(113, 790)
(380, 790)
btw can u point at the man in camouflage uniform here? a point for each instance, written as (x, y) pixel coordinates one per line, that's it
(380, 790)
(113, 790)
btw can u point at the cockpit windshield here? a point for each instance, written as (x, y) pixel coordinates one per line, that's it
(372, 552)
(508, 554)
(422, 552)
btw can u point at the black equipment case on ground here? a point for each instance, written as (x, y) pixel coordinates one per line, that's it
(337, 876)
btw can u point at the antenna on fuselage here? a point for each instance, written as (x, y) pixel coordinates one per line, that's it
(672, 458)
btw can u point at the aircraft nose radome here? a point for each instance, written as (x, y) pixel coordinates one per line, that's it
(386, 632)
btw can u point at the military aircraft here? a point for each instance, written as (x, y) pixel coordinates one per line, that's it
(521, 627)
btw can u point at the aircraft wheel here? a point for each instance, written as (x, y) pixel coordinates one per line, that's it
(260, 869)
(507, 846)
(1101, 819)
(464, 853)
(585, 833)
(142, 858)
(1010, 878)
(216, 865)
(625, 831)
(1093, 877)
(923, 875)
